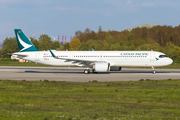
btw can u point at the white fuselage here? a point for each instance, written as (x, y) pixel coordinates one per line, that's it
(115, 58)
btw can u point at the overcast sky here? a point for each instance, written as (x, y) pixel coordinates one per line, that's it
(64, 17)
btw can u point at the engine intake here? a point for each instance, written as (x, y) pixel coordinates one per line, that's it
(101, 67)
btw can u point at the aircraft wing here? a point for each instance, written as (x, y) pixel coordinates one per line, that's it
(79, 61)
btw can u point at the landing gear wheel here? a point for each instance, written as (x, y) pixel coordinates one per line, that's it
(153, 72)
(86, 71)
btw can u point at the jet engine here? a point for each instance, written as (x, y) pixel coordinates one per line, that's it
(115, 68)
(101, 67)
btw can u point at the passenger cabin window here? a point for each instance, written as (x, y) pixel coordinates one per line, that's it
(162, 56)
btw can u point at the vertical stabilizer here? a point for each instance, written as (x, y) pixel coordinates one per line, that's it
(24, 44)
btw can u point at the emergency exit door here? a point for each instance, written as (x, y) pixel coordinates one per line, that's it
(152, 57)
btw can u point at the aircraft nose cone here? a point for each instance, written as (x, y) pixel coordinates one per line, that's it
(170, 61)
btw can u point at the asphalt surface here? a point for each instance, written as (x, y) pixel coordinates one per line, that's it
(76, 74)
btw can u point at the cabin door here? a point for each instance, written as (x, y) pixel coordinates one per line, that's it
(37, 56)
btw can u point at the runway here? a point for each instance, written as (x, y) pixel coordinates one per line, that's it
(76, 74)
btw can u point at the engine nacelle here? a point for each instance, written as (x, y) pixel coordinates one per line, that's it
(115, 68)
(101, 67)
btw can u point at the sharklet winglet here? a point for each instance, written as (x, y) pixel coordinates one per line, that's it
(52, 53)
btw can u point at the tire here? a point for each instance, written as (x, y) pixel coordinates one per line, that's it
(86, 71)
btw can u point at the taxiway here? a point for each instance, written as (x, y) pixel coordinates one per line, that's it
(76, 74)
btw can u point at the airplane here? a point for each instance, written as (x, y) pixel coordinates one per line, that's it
(97, 61)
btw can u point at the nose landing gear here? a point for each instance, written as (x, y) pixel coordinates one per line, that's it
(153, 72)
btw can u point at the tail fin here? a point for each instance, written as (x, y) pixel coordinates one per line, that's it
(24, 44)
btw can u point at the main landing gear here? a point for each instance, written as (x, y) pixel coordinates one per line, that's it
(153, 72)
(86, 71)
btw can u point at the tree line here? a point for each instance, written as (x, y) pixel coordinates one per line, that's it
(147, 37)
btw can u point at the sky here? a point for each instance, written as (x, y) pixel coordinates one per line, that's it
(65, 17)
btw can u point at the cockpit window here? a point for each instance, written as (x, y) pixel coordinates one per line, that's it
(162, 56)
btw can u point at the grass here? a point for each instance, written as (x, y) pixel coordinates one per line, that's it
(53, 100)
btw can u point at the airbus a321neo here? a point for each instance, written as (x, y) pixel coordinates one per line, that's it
(97, 61)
